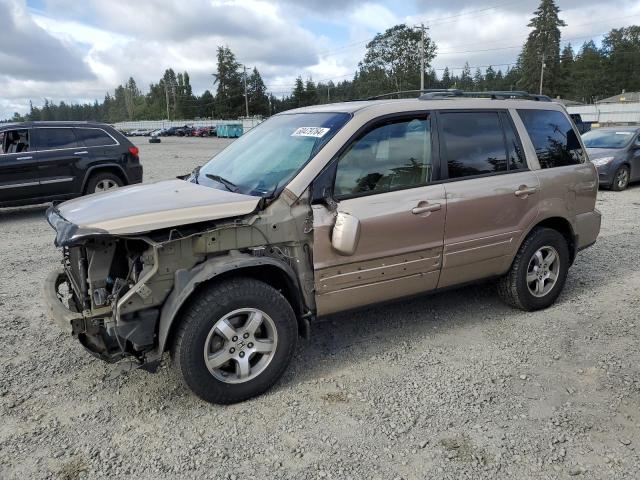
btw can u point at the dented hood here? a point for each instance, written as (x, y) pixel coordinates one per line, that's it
(153, 206)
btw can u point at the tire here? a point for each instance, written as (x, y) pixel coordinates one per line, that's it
(620, 179)
(199, 334)
(515, 290)
(154, 140)
(98, 182)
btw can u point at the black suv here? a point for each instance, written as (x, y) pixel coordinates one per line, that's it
(43, 161)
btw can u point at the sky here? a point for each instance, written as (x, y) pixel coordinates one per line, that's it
(77, 51)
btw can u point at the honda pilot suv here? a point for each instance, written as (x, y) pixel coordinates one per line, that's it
(316, 211)
(44, 161)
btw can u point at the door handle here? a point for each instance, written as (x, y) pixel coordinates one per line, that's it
(84, 152)
(24, 158)
(432, 207)
(524, 191)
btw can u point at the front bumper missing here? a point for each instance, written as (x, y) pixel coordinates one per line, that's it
(69, 321)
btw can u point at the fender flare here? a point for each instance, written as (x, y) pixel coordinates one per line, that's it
(186, 281)
(103, 166)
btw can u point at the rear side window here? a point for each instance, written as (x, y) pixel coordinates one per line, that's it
(94, 137)
(474, 143)
(553, 137)
(53, 138)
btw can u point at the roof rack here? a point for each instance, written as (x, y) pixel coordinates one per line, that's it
(492, 94)
(442, 93)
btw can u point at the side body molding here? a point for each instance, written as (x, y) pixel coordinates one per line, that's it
(186, 281)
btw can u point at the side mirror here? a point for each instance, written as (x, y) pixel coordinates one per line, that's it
(346, 234)
(190, 176)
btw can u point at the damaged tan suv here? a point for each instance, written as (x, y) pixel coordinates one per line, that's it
(320, 210)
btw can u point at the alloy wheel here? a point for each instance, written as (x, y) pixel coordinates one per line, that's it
(240, 345)
(542, 271)
(104, 185)
(622, 178)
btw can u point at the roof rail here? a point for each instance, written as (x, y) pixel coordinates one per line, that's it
(492, 94)
(402, 92)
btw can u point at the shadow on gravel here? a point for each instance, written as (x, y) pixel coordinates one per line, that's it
(383, 329)
(24, 213)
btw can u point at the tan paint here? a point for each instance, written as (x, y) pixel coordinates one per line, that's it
(146, 207)
(394, 244)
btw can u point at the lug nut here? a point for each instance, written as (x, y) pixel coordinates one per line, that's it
(232, 350)
(250, 345)
(246, 335)
(234, 339)
(241, 354)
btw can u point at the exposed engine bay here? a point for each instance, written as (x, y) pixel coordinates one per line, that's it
(127, 289)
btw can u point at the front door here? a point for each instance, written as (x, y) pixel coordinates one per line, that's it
(492, 196)
(383, 180)
(18, 167)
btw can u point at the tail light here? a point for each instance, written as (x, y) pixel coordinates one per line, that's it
(134, 151)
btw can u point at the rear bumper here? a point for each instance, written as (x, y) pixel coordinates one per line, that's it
(69, 321)
(587, 228)
(134, 173)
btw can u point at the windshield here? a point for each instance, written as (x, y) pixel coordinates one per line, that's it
(607, 138)
(271, 154)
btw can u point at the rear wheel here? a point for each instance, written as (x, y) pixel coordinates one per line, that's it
(621, 179)
(235, 340)
(102, 182)
(538, 272)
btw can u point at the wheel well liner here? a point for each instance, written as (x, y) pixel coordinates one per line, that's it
(187, 283)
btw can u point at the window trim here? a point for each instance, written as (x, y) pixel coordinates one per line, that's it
(500, 112)
(331, 169)
(37, 137)
(506, 118)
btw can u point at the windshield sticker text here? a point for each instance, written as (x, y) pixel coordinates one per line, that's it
(317, 132)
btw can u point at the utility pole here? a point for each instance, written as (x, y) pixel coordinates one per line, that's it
(166, 94)
(542, 73)
(422, 56)
(328, 95)
(246, 98)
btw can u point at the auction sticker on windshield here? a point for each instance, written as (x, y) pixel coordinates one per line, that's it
(317, 132)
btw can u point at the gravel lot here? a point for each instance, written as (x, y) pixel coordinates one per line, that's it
(455, 385)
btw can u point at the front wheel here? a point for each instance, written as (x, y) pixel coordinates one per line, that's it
(538, 272)
(621, 178)
(235, 340)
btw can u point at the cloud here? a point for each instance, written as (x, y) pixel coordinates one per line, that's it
(27, 51)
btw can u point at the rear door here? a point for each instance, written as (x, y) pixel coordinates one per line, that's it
(18, 167)
(492, 196)
(100, 144)
(384, 179)
(61, 160)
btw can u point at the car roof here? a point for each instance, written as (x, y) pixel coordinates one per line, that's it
(400, 105)
(8, 126)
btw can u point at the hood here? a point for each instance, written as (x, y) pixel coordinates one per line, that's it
(153, 206)
(603, 152)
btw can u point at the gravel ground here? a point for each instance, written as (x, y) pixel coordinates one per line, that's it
(454, 385)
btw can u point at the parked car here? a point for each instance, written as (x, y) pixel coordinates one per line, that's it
(44, 161)
(583, 127)
(615, 151)
(205, 132)
(321, 210)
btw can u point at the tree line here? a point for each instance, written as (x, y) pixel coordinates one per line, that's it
(391, 63)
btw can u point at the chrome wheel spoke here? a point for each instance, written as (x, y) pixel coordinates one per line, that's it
(551, 257)
(225, 329)
(263, 346)
(532, 277)
(218, 359)
(253, 322)
(538, 258)
(543, 271)
(540, 286)
(553, 276)
(243, 368)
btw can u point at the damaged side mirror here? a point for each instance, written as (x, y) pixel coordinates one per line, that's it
(346, 234)
(190, 176)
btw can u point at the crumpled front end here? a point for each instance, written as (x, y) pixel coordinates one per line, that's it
(90, 296)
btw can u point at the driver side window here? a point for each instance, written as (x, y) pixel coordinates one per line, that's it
(15, 141)
(392, 156)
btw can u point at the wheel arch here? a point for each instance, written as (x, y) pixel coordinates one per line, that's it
(561, 225)
(110, 168)
(187, 283)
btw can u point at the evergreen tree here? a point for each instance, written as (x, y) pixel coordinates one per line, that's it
(257, 93)
(298, 94)
(543, 44)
